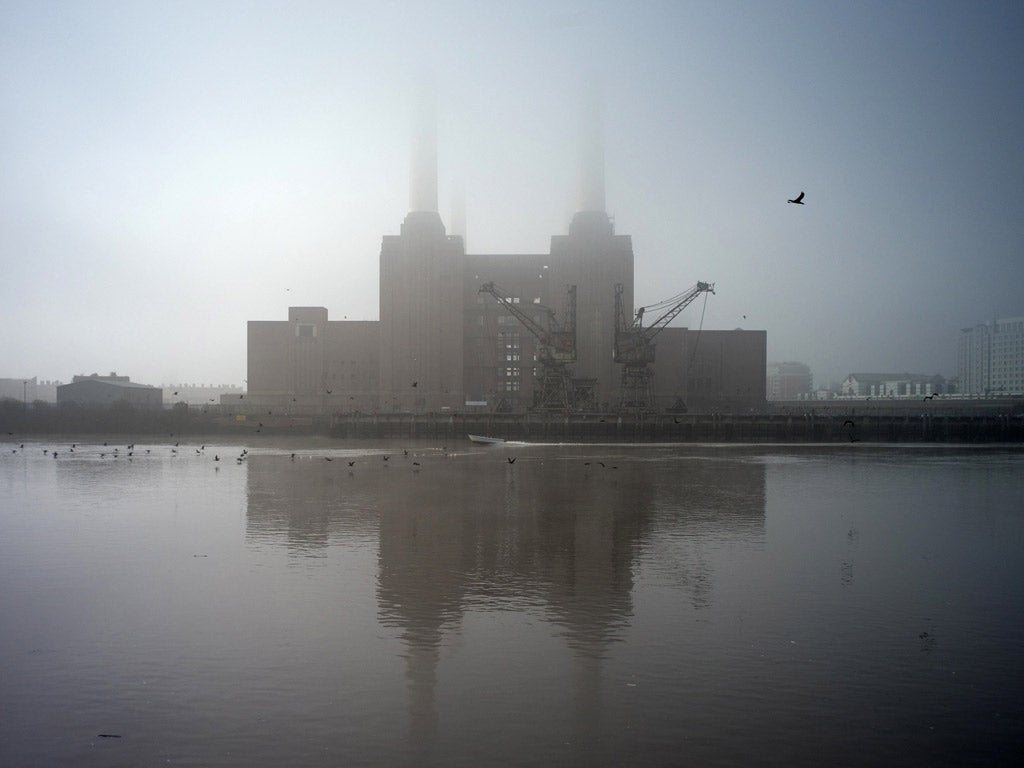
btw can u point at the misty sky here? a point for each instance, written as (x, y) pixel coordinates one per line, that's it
(169, 171)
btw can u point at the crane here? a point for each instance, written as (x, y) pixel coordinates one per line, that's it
(556, 347)
(634, 344)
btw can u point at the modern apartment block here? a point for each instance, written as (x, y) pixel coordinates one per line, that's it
(990, 358)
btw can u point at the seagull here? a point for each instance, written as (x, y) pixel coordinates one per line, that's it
(511, 459)
(798, 200)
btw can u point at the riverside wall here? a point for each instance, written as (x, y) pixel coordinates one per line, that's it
(990, 421)
(759, 427)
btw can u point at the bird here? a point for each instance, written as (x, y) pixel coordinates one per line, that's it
(352, 463)
(386, 457)
(415, 383)
(798, 200)
(511, 459)
(328, 458)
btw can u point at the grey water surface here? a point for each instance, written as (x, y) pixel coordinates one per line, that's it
(704, 605)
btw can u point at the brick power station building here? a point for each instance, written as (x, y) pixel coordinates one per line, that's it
(441, 345)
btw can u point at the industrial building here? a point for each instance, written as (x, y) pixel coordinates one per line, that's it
(551, 323)
(96, 390)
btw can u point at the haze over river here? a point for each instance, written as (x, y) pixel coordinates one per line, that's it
(702, 605)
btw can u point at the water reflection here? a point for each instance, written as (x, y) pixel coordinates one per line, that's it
(557, 536)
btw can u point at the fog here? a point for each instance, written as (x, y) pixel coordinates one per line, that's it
(172, 170)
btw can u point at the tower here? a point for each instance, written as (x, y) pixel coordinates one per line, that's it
(421, 293)
(594, 259)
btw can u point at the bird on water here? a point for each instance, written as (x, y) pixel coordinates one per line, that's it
(798, 200)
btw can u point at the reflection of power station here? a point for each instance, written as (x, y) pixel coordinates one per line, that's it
(634, 344)
(475, 537)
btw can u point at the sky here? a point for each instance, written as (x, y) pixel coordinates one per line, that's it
(170, 171)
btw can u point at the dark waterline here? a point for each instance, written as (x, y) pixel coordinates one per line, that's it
(694, 605)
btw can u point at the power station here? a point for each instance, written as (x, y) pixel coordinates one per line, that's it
(503, 332)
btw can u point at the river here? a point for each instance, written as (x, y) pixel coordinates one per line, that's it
(339, 603)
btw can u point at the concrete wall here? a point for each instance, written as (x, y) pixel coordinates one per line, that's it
(722, 370)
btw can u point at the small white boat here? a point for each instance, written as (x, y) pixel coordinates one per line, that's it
(485, 440)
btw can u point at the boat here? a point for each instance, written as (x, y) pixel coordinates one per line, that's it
(485, 440)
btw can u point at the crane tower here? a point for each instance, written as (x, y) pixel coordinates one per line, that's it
(556, 350)
(634, 344)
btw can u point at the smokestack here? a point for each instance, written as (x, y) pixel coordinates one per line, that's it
(458, 222)
(591, 190)
(423, 179)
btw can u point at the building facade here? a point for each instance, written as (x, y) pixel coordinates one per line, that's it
(788, 381)
(892, 385)
(990, 358)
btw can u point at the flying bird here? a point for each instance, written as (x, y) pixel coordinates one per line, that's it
(798, 200)
(352, 463)
(511, 459)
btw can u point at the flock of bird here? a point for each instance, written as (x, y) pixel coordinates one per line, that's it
(128, 451)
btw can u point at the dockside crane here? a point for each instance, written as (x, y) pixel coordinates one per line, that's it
(556, 347)
(634, 344)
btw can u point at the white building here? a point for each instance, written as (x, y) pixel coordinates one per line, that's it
(990, 358)
(892, 385)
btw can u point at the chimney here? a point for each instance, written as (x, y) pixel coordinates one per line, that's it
(591, 149)
(458, 224)
(423, 180)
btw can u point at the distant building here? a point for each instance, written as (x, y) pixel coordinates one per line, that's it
(198, 394)
(990, 358)
(892, 385)
(96, 390)
(788, 381)
(28, 390)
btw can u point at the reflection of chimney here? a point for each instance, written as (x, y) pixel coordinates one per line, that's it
(591, 190)
(423, 181)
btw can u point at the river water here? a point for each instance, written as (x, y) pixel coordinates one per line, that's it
(702, 605)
